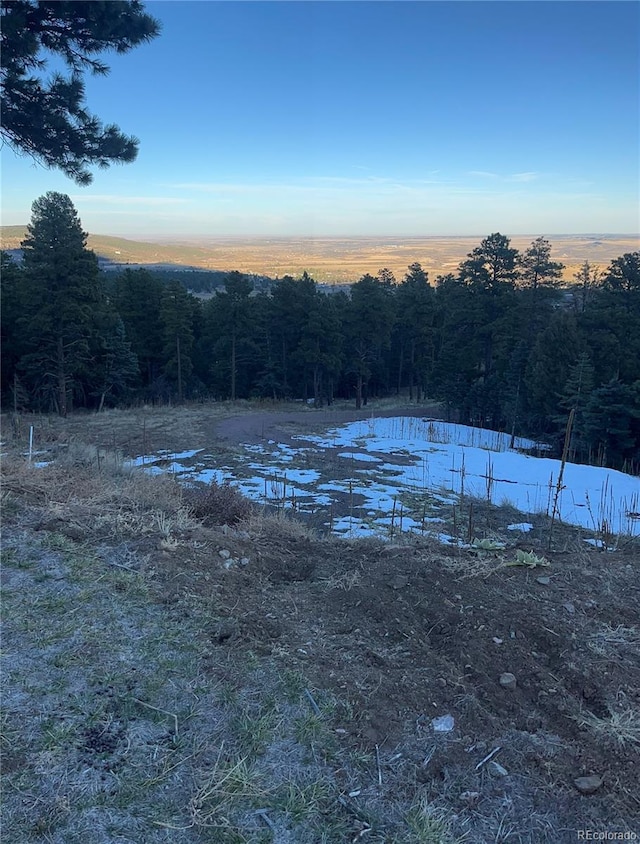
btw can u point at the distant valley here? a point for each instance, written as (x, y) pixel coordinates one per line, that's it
(332, 260)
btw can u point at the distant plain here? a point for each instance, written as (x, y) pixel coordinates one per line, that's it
(334, 260)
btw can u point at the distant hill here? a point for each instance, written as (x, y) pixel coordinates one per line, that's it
(330, 260)
(119, 250)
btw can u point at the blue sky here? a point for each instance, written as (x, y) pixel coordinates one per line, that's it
(366, 118)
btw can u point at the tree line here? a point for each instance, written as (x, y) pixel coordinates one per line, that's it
(501, 342)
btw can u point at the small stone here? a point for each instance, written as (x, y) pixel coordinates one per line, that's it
(497, 770)
(508, 680)
(244, 561)
(399, 582)
(224, 553)
(569, 607)
(443, 724)
(497, 640)
(588, 785)
(543, 580)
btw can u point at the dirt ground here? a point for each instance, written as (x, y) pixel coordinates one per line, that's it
(537, 664)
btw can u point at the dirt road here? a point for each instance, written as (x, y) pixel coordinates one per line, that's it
(258, 426)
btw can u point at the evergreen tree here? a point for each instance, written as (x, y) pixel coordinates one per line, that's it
(291, 301)
(576, 396)
(539, 281)
(622, 279)
(320, 348)
(556, 350)
(414, 331)
(137, 296)
(612, 321)
(11, 334)
(47, 119)
(586, 280)
(457, 351)
(62, 300)
(612, 424)
(234, 307)
(115, 367)
(537, 268)
(176, 317)
(369, 321)
(490, 272)
(492, 266)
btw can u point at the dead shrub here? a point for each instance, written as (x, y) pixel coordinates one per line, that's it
(218, 504)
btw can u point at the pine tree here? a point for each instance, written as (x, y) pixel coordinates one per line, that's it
(612, 424)
(12, 337)
(414, 331)
(115, 367)
(586, 280)
(537, 268)
(538, 286)
(291, 301)
(490, 272)
(319, 350)
(176, 317)
(458, 353)
(575, 396)
(62, 300)
(556, 350)
(137, 296)
(234, 307)
(47, 119)
(369, 321)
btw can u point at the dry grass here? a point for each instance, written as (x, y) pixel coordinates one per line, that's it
(621, 727)
(345, 580)
(111, 499)
(218, 504)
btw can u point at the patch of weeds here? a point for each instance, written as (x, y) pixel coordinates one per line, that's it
(427, 825)
(293, 684)
(252, 660)
(8, 503)
(9, 557)
(254, 731)
(305, 801)
(48, 816)
(228, 694)
(345, 581)
(60, 543)
(310, 729)
(131, 582)
(231, 787)
(57, 735)
(218, 504)
(622, 728)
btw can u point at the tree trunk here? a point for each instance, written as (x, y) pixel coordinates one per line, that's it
(317, 400)
(359, 392)
(400, 368)
(233, 367)
(62, 380)
(179, 359)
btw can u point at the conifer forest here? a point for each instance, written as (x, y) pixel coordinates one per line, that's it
(501, 343)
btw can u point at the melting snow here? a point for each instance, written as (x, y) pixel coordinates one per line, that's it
(435, 463)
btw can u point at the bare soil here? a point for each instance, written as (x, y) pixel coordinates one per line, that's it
(393, 634)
